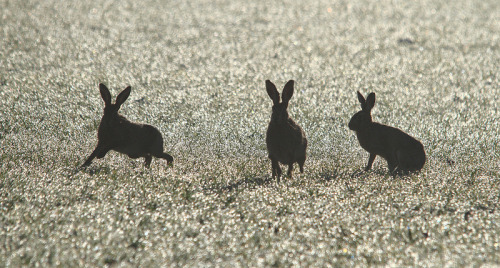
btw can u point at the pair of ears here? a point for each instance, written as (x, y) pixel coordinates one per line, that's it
(120, 99)
(275, 95)
(368, 103)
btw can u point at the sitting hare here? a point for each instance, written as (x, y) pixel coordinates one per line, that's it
(118, 134)
(402, 152)
(286, 141)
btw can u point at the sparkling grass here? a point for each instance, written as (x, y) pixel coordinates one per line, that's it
(197, 72)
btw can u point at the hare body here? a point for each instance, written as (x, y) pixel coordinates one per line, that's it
(119, 134)
(402, 152)
(286, 141)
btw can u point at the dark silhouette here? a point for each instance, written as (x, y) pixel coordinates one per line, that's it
(118, 134)
(402, 152)
(286, 141)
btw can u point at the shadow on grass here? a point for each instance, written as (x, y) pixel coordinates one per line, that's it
(247, 182)
(92, 170)
(339, 174)
(382, 172)
(333, 175)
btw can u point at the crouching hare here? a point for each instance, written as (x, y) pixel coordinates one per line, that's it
(402, 152)
(286, 141)
(118, 134)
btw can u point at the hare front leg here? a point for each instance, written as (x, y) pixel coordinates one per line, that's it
(275, 167)
(91, 157)
(290, 169)
(370, 162)
(99, 152)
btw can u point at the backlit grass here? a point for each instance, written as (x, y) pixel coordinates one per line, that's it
(197, 71)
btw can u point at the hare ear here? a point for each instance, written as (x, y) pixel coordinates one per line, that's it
(106, 96)
(361, 100)
(370, 101)
(287, 91)
(122, 97)
(272, 92)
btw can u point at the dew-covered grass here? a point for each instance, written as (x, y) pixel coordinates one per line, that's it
(197, 71)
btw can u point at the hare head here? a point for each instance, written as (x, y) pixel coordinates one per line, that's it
(280, 112)
(363, 117)
(111, 110)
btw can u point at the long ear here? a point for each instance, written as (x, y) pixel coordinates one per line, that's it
(370, 101)
(106, 96)
(287, 92)
(272, 92)
(122, 97)
(362, 100)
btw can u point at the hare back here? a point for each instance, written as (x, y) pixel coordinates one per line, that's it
(287, 143)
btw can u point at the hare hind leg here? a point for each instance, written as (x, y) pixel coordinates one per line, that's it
(409, 162)
(157, 149)
(392, 163)
(165, 156)
(301, 164)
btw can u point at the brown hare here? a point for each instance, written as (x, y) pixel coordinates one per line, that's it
(118, 134)
(402, 152)
(286, 141)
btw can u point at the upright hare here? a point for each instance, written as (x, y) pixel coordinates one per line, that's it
(286, 141)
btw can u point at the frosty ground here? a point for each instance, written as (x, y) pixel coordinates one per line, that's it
(197, 71)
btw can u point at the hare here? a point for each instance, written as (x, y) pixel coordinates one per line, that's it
(286, 141)
(402, 152)
(118, 134)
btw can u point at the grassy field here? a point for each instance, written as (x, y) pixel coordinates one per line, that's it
(197, 71)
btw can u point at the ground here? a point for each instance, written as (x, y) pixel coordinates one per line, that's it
(197, 71)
